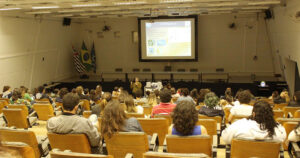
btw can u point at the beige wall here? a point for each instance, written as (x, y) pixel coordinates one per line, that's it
(284, 31)
(25, 42)
(219, 46)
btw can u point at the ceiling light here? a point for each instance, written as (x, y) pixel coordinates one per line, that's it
(86, 5)
(9, 8)
(45, 7)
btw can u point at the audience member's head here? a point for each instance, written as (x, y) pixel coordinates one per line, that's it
(185, 92)
(262, 113)
(79, 90)
(285, 95)
(147, 93)
(136, 79)
(173, 91)
(297, 97)
(113, 119)
(24, 89)
(99, 90)
(93, 95)
(129, 102)
(41, 89)
(73, 90)
(116, 89)
(244, 97)
(185, 117)
(139, 93)
(165, 95)
(6, 88)
(275, 94)
(202, 94)
(63, 92)
(56, 91)
(238, 93)
(122, 97)
(194, 93)
(86, 91)
(107, 96)
(211, 100)
(228, 92)
(156, 92)
(70, 102)
(16, 94)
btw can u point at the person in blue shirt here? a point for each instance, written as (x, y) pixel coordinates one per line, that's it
(185, 117)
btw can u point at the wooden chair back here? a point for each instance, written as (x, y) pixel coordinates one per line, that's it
(140, 103)
(60, 154)
(59, 104)
(217, 118)
(44, 100)
(6, 100)
(254, 148)
(172, 155)
(24, 136)
(278, 114)
(127, 142)
(288, 126)
(2, 105)
(291, 110)
(155, 125)
(87, 114)
(136, 115)
(280, 106)
(86, 104)
(283, 120)
(297, 114)
(210, 125)
(44, 111)
(66, 142)
(147, 110)
(19, 106)
(22, 150)
(189, 144)
(168, 117)
(16, 117)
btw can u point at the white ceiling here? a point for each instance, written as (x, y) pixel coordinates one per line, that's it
(137, 8)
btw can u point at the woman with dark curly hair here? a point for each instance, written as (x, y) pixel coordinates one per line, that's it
(260, 125)
(115, 120)
(185, 118)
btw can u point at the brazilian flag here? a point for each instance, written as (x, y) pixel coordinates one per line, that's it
(86, 58)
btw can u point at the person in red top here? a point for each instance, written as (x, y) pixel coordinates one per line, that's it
(165, 107)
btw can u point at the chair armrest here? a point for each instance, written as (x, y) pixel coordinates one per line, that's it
(228, 148)
(214, 151)
(281, 152)
(44, 150)
(129, 155)
(154, 142)
(32, 114)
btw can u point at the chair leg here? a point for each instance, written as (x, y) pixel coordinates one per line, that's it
(228, 148)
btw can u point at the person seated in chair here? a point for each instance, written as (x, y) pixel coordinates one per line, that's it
(70, 123)
(185, 96)
(41, 94)
(296, 102)
(211, 107)
(61, 94)
(165, 107)
(7, 93)
(260, 125)
(79, 91)
(185, 118)
(243, 108)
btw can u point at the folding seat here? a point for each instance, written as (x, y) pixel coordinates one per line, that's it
(130, 142)
(147, 110)
(18, 148)
(280, 106)
(278, 114)
(191, 144)
(42, 101)
(74, 142)
(254, 148)
(155, 125)
(289, 111)
(168, 117)
(172, 155)
(297, 114)
(45, 111)
(288, 126)
(136, 115)
(211, 128)
(85, 104)
(39, 144)
(17, 115)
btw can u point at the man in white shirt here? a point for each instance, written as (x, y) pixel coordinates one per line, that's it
(244, 108)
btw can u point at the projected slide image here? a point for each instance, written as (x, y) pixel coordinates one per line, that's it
(169, 38)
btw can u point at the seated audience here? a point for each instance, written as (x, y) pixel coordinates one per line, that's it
(55, 93)
(131, 107)
(99, 92)
(296, 101)
(98, 108)
(115, 92)
(93, 97)
(156, 92)
(70, 123)
(7, 93)
(185, 118)
(202, 93)
(238, 93)
(152, 101)
(285, 95)
(174, 94)
(185, 96)
(211, 107)
(79, 91)
(276, 98)
(294, 135)
(16, 98)
(115, 120)
(243, 108)
(194, 94)
(165, 107)
(25, 94)
(86, 92)
(41, 94)
(62, 93)
(260, 125)
(138, 97)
